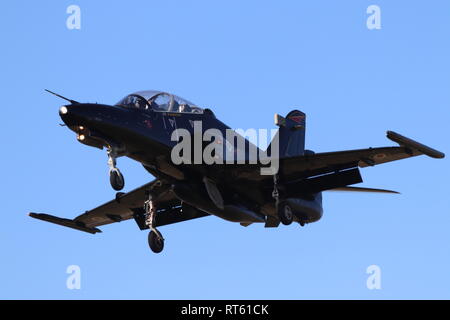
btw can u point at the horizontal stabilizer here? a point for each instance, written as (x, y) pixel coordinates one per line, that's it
(362, 189)
(324, 182)
(78, 225)
(414, 145)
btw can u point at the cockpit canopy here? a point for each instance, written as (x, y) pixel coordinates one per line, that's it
(158, 101)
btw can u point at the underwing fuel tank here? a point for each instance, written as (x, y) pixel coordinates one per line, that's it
(198, 197)
(307, 210)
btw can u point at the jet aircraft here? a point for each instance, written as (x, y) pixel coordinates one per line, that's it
(141, 126)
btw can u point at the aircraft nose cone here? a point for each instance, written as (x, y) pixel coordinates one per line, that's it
(74, 115)
(71, 114)
(91, 114)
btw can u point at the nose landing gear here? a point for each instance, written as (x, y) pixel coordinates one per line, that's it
(115, 176)
(155, 239)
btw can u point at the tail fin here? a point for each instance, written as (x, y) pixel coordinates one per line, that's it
(291, 134)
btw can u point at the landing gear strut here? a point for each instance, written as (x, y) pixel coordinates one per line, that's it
(115, 176)
(155, 239)
(284, 211)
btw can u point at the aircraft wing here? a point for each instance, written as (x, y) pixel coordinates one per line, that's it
(314, 164)
(321, 163)
(126, 206)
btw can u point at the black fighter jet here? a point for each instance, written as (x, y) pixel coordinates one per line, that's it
(146, 126)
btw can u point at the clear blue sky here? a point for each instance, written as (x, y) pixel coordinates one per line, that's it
(246, 61)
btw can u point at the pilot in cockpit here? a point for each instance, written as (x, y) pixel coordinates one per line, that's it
(159, 101)
(140, 104)
(184, 108)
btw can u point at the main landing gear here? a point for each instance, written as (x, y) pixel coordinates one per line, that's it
(115, 176)
(155, 239)
(284, 211)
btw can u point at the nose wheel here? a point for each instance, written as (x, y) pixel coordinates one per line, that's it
(155, 238)
(116, 179)
(115, 176)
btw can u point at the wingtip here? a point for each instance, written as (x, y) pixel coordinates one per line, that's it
(412, 144)
(64, 222)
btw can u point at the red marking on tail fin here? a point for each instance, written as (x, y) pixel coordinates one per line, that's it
(298, 118)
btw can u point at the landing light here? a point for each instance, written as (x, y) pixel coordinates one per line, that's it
(81, 137)
(63, 110)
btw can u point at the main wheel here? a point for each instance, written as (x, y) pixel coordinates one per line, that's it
(285, 213)
(116, 179)
(156, 242)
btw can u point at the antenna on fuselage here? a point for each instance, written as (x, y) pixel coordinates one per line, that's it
(60, 96)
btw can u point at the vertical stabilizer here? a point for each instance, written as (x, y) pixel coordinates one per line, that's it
(291, 134)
